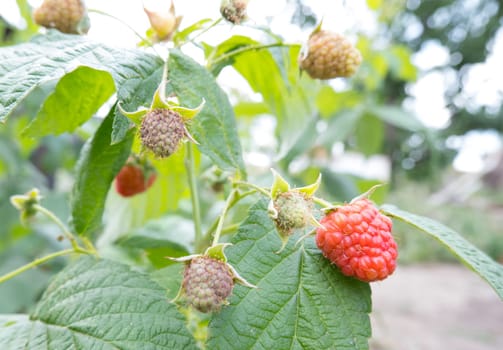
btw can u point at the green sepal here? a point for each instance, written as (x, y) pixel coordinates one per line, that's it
(135, 116)
(310, 189)
(284, 242)
(184, 258)
(317, 29)
(367, 194)
(217, 252)
(279, 185)
(187, 113)
(237, 278)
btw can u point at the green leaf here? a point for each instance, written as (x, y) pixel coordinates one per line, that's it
(169, 278)
(98, 165)
(170, 236)
(215, 126)
(302, 300)
(369, 134)
(330, 102)
(46, 57)
(340, 127)
(398, 117)
(289, 97)
(374, 4)
(64, 110)
(183, 35)
(467, 253)
(171, 231)
(99, 304)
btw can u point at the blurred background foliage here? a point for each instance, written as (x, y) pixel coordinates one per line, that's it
(356, 132)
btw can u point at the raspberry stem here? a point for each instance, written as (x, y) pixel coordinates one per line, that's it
(194, 196)
(230, 228)
(73, 240)
(36, 262)
(244, 49)
(216, 22)
(228, 204)
(254, 187)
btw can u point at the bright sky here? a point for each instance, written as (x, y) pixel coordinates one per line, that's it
(483, 85)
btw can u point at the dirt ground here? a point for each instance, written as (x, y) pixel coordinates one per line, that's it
(436, 307)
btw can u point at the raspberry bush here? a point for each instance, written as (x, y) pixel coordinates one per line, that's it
(146, 265)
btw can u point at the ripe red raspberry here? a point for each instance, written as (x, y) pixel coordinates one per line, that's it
(207, 283)
(131, 180)
(68, 16)
(329, 55)
(161, 131)
(357, 238)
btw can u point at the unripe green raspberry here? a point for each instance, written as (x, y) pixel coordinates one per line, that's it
(207, 283)
(161, 131)
(329, 55)
(64, 15)
(294, 211)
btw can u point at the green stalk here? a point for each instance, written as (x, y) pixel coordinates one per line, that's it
(204, 31)
(244, 49)
(325, 204)
(194, 195)
(254, 187)
(228, 204)
(213, 227)
(36, 263)
(73, 240)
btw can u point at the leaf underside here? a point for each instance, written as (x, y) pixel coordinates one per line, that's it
(466, 252)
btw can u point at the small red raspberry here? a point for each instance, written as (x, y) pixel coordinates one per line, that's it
(294, 211)
(131, 180)
(357, 238)
(207, 283)
(64, 15)
(161, 131)
(329, 55)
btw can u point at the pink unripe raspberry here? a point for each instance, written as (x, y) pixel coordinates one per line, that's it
(207, 283)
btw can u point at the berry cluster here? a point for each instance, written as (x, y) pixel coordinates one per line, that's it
(357, 238)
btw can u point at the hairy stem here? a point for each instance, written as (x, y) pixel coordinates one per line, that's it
(254, 187)
(194, 196)
(213, 227)
(58, 222)
(36, 262)
(228, 204)
(325, 204)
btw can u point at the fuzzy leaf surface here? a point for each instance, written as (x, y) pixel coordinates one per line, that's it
(466, 252)
(99, 163)
(302, 301)
(99, 304)
(25, 66)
